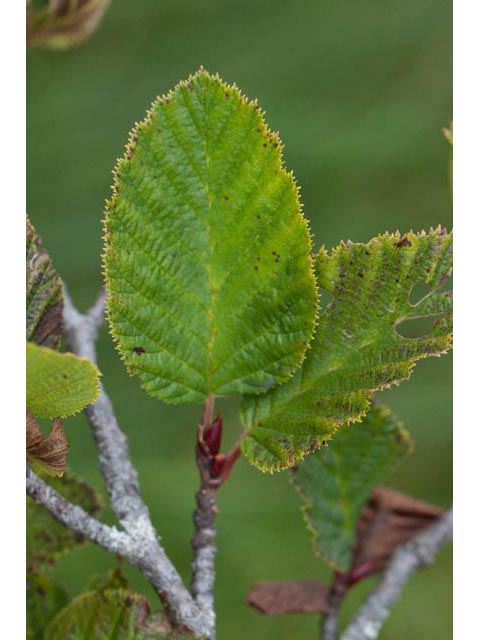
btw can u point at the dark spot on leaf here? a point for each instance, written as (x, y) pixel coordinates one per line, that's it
(265, 145)
(225, 197)
(227, 95)
(404, 242)
(138, 350)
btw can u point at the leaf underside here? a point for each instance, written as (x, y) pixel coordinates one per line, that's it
(44, 294)
(207, 259)
(59, 384)
(297, 596)
(357, 348)
(46, 537)
(47, 453)
(336, 481)
(109, 615)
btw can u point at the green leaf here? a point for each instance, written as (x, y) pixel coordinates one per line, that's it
(59, 384)
(207, 260)
(358, 348)
(44, 294)
(115, 579)
(336, 481)
(46, 537)
(44, 599)
(109, 615)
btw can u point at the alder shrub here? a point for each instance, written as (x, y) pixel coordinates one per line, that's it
(212, 289)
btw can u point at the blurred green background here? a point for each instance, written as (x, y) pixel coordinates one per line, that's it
(359, 92)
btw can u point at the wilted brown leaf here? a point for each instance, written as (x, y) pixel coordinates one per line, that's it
(389, 519)
(47, 452)
(300, 596)
(62, 24)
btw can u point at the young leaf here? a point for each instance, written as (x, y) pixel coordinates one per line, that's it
(109, 615)
(336, 481)
(207, 259)
(46, 537)
(44, 599)
(48, 453)
(59, 384)
(44, 294)
(358, 348)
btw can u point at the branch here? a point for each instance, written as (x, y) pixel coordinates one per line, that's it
(329, 622)
(203, 541)
(149, 558)
(214, 468)
(122, 484)
(407, 559)
(74, 517)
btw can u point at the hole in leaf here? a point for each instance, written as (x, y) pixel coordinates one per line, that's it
(416, 327)
(422, 290)
(418, 292)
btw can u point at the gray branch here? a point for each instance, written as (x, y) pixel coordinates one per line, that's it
(203, 542)
(75, 518)
(329, 621)
(120, 476)
(407, 559)
(139, 543)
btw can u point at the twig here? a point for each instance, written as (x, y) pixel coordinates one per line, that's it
(75, 518)
(149, 558)
(205, 549)
(407, 559)
(120, 476)
(203, 541)
(329, 622)
(214, 468)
